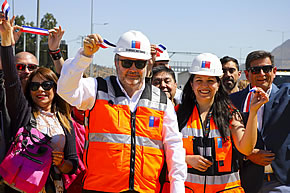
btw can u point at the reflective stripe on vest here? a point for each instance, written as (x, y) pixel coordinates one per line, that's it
(125, 139)
(153, 104)
(212, 180)
(199, 133)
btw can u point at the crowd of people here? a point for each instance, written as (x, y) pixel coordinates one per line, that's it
(136, 131)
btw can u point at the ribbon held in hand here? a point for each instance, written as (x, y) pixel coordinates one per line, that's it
(249, 99)
(35, 30)
(107, 44)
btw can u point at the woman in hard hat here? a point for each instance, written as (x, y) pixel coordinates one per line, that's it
(213, 130)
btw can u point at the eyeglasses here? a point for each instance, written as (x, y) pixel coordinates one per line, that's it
(257, 69)
(140, 64)
(46, 85)
(231, 70)
(22, 67)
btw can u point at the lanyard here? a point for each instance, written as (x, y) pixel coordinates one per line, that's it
(205, 129)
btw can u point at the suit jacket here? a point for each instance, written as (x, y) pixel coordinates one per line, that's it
(274, 135)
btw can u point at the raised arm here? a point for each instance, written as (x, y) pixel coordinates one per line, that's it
(17, 105)
(54, 39)
(245, 138)
(78, 91)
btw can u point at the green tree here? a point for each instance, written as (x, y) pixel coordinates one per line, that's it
(30, 38)
(47, 22)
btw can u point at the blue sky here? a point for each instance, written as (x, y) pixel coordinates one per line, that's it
(221, 27)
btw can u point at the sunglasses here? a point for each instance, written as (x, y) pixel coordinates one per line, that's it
(230, 70)
(140, 64)
(46, 85)
(257, 69)
(22, 67)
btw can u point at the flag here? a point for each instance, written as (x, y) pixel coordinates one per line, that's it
(160, 48)
(107, 44)
(35, 30)
(136, 44)
(5, 8)
(154, 121)
(205, 64)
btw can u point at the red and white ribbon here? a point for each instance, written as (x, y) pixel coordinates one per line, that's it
(35, 30)
(107, 44)
(160, 48)
(249, 99)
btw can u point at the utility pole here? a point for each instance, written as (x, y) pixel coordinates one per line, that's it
(92, 26)
(24, 42)
(37, 36)
(241, 48)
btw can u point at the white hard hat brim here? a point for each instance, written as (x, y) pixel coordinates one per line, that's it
(140, 56)
(207, 73)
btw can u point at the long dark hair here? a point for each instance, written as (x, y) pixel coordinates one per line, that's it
(58, 105)
(222, 108)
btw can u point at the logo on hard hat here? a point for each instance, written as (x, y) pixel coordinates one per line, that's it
(136, 44)
(205, 64)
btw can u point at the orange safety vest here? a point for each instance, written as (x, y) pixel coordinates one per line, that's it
(223, 175)
(124, 149)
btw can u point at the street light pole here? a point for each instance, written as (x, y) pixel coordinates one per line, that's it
(24, 42)
(92, 31)
(241, 48)
(37, 36)
(92, 26)
(282, 48)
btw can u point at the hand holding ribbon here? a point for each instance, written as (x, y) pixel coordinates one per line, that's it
(260, 97)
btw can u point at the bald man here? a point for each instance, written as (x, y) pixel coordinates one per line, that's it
(25, 64)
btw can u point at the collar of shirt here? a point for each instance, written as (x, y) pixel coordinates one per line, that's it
(135, 98)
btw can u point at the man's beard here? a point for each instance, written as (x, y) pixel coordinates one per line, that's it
(229, 83)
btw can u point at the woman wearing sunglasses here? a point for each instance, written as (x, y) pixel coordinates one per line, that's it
(213, 130)
(40, 102)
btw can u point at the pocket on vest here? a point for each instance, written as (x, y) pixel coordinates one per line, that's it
(152, 163)
(105, 157)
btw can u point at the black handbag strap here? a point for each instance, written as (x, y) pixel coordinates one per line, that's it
(45, 140)
(33, 124)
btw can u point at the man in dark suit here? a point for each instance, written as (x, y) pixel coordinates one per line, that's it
(267, 169)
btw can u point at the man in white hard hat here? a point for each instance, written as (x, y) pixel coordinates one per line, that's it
(130, 125)
(162, 59)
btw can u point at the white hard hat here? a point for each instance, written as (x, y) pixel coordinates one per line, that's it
(206, 64)
(162, 56)
(133, 44)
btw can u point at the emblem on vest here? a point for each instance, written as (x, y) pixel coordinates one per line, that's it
(154, 121)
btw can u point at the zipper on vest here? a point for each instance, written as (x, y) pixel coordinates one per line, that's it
(133, 151)
(204, 153)
(206, 131)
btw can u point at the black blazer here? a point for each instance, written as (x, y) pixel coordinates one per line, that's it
(274, 135)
